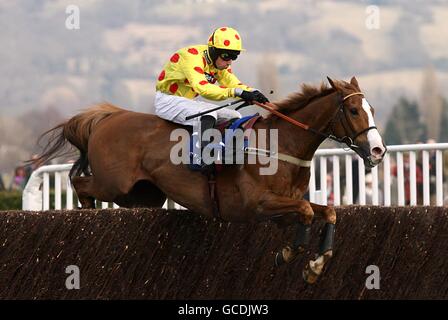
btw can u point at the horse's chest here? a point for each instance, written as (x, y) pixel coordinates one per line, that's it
(293, 186)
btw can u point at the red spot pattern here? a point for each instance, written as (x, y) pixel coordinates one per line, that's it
(203, 82)
(226, 43)
(173, 88)
(193, 51)
(210, 39)
(186, 81)
(236, 36)
(224, 87)
(174, 58)
(223, 29)
(199, 69)
(203, 60)
(162, 75)
(229, 70)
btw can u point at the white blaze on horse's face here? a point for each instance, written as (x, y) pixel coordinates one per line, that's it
(376, 145)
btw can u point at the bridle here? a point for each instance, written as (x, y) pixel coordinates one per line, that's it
(348, 140)
(342, 117)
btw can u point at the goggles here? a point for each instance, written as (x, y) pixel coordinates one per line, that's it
(227, 56)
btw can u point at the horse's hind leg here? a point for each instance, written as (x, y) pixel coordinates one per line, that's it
(315, 267)
(83, 188)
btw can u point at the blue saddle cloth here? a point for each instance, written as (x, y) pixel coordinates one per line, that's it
(221, 146)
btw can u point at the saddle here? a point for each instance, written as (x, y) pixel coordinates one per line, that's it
(227, 155)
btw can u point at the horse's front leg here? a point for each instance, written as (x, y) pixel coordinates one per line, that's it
(315, 267)
(286, 211)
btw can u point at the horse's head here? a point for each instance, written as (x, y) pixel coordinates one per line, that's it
(354, 123)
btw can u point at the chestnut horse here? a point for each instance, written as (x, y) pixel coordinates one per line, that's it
(125, 158)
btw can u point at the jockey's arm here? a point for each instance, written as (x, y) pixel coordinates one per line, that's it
(227, 79)
(247, 93)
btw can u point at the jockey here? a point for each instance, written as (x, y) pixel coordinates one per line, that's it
(194, 71)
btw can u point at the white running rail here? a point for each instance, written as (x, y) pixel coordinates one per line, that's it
(409, 175)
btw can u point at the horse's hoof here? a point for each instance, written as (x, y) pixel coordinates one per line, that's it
(286, 255)
(309, 275)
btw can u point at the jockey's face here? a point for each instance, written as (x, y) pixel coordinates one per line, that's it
(222, 64)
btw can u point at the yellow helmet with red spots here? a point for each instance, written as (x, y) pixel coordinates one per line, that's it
(226, 38)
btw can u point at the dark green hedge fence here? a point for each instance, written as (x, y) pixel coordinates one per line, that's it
(10, 200)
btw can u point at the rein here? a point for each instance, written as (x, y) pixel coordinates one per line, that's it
(349, 141)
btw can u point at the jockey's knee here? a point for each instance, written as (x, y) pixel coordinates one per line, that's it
(227, 114)
(213, 114)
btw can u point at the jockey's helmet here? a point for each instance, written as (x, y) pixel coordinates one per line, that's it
(224, 40)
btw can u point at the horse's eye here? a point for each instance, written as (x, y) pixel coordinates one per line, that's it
(354, 112)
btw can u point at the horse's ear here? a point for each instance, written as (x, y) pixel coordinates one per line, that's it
(332, 84)
(354, 82)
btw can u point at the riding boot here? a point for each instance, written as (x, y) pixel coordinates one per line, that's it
(207, 122)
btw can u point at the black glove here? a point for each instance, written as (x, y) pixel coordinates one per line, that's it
(254, 96)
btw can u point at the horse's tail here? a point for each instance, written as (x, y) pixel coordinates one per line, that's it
(77, 131)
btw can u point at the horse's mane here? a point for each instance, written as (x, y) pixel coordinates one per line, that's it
(301, 99)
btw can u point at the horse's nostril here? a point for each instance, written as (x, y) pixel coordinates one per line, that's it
(377, 151)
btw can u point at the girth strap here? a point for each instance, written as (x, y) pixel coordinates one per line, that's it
(213, 194)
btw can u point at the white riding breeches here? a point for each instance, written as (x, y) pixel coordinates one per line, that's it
(176, 109)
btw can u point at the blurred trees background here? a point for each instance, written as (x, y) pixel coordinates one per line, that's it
(416, 122)
(19, 135)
